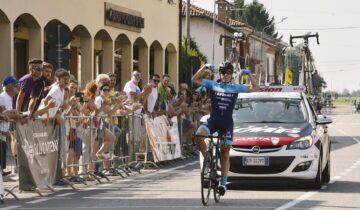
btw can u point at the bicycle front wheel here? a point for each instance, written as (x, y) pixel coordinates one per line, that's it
(206, 179)
(216, 175)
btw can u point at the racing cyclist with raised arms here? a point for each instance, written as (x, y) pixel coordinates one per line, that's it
(223, 96)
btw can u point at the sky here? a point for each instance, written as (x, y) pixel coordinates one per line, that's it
(337, 58)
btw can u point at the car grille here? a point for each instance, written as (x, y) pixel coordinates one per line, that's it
(263, 149)
(276, 165)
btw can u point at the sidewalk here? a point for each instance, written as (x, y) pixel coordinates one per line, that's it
(11, 182)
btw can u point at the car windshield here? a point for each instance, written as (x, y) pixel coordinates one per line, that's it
(269, 111)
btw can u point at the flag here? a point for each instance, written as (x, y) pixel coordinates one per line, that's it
(288, 76)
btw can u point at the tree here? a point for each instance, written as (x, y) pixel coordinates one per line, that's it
(255, 15)
(190, 60)
(346, 92)
(237, 13)
(318, 83)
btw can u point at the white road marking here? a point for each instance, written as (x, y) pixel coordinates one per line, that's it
(65, 194)
(107, 185)
(348, 170)
(346, 134)
(38, 200)
(297, 200)
(332, 181)
(10, 207)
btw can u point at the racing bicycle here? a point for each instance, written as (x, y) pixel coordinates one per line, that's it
(209, 170)
(234, 56)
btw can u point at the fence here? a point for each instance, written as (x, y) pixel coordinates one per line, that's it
(88, 148)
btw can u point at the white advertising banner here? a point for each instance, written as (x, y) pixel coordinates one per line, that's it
(163, 137)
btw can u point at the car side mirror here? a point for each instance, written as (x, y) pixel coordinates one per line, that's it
(323, 120)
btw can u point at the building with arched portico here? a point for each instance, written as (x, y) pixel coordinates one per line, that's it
(91, 37)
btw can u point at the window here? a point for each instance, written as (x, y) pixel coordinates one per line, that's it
(270, 110)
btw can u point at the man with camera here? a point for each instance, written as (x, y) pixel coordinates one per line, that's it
(223, 96)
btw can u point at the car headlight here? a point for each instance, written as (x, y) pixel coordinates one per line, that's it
(302, 143)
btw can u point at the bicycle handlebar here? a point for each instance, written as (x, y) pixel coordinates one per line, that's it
(305, 37)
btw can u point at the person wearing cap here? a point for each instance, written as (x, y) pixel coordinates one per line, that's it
(11, 88)
(223, 96)
(27, 83)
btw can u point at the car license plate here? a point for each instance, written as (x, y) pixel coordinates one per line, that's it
(255, 161)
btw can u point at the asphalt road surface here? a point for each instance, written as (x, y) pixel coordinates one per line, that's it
(179, 188)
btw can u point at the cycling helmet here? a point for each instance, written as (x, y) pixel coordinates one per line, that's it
(236, 34)
(225, 66)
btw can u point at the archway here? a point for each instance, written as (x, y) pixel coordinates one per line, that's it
(123, 60)
(103, 53)
(6, 46)
(141, 58)
(157, 58)
(171, 67)
(57, 37)
(28, 40)
(82, 55)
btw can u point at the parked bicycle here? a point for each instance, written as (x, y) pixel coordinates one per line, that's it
(234, 56)
(210, 169)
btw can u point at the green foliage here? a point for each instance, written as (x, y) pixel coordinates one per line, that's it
(294, 62)
(255, 15)
(186, 57)
(192, 52)
(236, 14)
(318, 83)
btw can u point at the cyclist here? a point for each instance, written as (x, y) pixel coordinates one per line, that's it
(223, 96)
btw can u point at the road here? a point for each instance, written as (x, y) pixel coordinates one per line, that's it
(179, 188)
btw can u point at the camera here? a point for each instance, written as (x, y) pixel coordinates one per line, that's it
(80, 95)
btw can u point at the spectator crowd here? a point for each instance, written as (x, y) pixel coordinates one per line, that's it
(55, 95)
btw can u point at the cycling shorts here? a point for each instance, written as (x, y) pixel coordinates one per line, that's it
(224, 127)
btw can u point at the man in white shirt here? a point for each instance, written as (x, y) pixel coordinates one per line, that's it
(56, 93)
(150, 101)
(134, 96)
(11, 88)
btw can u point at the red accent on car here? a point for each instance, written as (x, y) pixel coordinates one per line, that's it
(262, 140)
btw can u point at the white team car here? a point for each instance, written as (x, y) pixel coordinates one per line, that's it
(278, 135)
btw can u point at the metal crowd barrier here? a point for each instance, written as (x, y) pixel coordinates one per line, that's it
(122, 155)
(187, 126)
(8, 160)
(80, 138)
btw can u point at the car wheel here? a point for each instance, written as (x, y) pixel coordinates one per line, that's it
(317, 182)
(326, 172)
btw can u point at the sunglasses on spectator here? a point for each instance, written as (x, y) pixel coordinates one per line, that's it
(106, 90)
(156, 80)
(38, 68)
(136, 75)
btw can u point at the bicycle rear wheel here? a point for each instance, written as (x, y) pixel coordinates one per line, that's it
(206, 179)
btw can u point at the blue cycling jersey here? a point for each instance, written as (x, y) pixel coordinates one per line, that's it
(223, 97)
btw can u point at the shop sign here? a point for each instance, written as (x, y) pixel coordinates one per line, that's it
(124, 18)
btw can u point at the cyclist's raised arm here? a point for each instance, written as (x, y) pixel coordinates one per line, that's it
(196, 79)
(254, 84)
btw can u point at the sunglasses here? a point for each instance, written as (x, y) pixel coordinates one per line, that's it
(136, 75)
(156, 80)
(226, 72)
(38, 68)
(106, 90)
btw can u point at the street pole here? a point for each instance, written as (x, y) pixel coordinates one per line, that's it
(213, 35)
(187, 42)
(262, 49)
